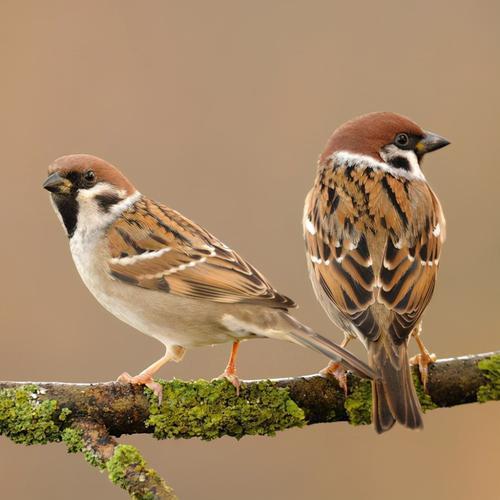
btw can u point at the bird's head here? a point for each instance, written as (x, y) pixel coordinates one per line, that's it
(385, 137)
(86, 189)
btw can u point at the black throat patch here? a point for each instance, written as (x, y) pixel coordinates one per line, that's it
(68, 208)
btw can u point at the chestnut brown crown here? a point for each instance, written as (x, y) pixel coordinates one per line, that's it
(87, 170)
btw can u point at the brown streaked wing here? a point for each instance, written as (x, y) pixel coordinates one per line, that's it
(155, 247)
(409, 270)
(340, 260)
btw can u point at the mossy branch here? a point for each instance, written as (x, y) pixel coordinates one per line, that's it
(86, 416)
(125, 466)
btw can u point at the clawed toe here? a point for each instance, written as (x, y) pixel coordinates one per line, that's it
(233, 378)
(157, 389)
(423, 361)
(125, 377)
(336, 371)
(143, 379)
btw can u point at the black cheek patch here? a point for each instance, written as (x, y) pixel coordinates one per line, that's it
(106, 201)
(400, 162)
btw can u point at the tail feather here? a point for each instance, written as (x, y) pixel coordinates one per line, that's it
(394, 395)
(303, 335)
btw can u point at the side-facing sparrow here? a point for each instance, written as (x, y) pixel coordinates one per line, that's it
(374, 229)
(166, 276)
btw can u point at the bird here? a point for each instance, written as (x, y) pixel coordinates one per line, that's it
(374, 231)
(166, 276)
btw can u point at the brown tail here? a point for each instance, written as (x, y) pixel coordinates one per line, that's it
(394, 395)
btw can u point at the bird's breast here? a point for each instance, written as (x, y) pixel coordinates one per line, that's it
(170, 319)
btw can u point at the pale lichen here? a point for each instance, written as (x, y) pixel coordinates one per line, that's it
(425, 399)
(358, 404)
(209, 410)
(490, 368)
(73, 438)
(26, 419)
(127, 467)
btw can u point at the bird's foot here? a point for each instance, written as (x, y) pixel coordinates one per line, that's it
(143, 379)
(336, 371)
(231, 377)
(423, 360)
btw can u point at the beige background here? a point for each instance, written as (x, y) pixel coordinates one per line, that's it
(220, 109)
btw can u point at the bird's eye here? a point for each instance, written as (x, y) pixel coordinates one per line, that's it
(89, 176)
(402, 140)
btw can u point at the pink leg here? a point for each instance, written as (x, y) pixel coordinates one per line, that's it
(230, 371)
(424, 359)
(336, 370)
(174, 353)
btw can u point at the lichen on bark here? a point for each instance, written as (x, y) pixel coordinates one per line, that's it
(73, 439)
(209, 410)
(358, 403)
(127, 467)
(425, 399)
(26, 419)
(490, 368)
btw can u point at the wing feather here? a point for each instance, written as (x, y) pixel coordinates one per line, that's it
(154, 247)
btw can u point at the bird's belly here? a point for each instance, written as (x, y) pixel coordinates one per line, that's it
(170, 319)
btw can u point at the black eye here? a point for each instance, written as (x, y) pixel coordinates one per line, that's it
(402, 140)
(89, 177)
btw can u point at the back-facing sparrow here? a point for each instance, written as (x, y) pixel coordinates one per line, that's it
(166, 276)
(374, 230)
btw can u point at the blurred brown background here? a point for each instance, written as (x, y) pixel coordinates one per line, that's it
(220, 109)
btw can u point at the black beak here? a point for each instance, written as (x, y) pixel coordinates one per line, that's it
(431, 142)
(57, 184)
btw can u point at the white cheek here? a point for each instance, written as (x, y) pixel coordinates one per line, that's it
(91, 218)
(392, 151)
(346, 158)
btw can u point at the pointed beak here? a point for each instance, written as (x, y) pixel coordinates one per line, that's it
(431, 142)
(57, 184)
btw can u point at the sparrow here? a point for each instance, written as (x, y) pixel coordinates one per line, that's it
(164, 275)
(374, 230)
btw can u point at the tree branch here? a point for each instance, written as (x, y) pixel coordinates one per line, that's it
(85, 416)
(125, 465)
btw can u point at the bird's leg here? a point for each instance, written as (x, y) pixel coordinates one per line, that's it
(336, 370)
(173, 353)
(230, 371)
(424, 359)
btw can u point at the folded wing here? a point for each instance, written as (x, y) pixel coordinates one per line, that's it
(156, 248)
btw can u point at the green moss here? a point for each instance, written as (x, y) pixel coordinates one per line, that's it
(490, 368)
(425, 400)
(65, 413)
(26, 419)
(73, 439)
(125, 457)
(209, 410)
(358, 403)
(126, 464)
